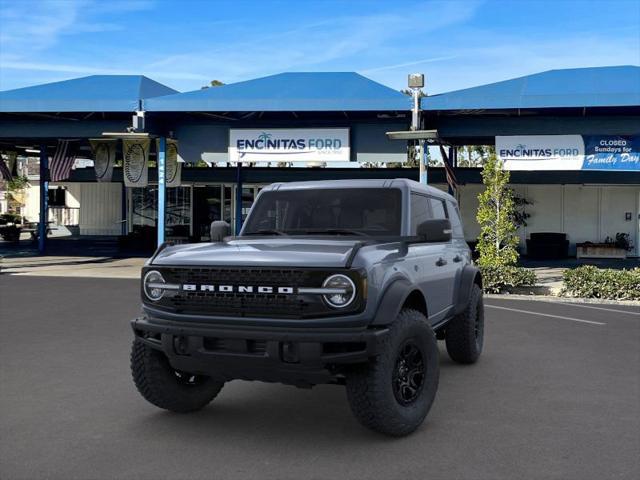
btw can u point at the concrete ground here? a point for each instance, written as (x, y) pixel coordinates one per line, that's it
(72, 266)
(556, 395)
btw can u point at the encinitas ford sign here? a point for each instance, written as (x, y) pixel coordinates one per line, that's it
(289, 145)
(569, 152)
(541, 152)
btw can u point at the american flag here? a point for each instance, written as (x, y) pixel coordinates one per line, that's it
(5, 173)
(451, 176)
(62, 160)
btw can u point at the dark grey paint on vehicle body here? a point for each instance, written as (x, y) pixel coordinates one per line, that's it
(433, 269)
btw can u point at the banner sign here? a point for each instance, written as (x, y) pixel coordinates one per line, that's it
(104, 157)
(541, 152)
(610, 152)
(289, 145)
(569, 152)
(136, 162)
(173, 166)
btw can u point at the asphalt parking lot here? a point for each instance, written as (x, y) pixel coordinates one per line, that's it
(555, 395)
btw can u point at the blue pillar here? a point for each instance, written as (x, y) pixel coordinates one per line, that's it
(424, 159)
(238, 225)
(162, 191)
(44, 199)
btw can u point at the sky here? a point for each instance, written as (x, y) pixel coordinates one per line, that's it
(185, 44)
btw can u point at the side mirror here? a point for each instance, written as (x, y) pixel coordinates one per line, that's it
(436, 230)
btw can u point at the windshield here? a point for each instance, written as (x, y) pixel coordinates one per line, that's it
(362, 211)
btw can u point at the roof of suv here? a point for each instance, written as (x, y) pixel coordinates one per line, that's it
(359, 183)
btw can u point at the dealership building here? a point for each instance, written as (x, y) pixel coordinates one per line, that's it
(570, 137)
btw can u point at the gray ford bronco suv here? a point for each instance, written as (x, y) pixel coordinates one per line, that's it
(345, 282)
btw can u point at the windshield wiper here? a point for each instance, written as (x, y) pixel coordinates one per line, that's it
(266, 231)
(336, 231)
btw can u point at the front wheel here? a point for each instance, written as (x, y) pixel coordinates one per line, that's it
(394, 393)
(167, 388)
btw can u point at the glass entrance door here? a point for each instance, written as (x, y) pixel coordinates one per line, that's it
(249, 194)
(208, 205)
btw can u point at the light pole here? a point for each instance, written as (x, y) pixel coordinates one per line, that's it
(416, 83)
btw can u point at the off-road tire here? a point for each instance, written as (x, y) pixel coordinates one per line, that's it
(166, 388)
(464, 335)
(371, 388)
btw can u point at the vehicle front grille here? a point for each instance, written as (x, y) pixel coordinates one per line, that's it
(268, 305)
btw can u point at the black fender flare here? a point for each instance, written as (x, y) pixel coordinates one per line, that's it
(467, 280)
(392, 300)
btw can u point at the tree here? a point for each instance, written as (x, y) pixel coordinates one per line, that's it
(497, 241)
(474, 155)
(213, 83)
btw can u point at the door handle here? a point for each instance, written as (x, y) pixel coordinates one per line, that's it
(457, 258)
(441, 262)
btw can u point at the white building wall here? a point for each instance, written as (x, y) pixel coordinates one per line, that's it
(615, 202)
(583, 212)
(31, 208)
(100, 208)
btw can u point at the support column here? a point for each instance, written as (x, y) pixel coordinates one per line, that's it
(453, 153)
(162, 190)
(44, 199)
(238, 225)
(424, 159)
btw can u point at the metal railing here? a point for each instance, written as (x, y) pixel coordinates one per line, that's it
(64, 215)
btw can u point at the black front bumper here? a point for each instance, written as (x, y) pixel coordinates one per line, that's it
(299, 356)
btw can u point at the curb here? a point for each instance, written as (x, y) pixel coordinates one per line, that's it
(556, 299)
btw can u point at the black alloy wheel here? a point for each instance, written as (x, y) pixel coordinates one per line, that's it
(408, 374)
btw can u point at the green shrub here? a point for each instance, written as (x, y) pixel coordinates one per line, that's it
(499, 277)
(592, 282)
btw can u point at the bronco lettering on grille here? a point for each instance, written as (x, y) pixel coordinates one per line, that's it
(193, 287)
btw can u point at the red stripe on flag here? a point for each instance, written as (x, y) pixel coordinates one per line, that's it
(62, 161)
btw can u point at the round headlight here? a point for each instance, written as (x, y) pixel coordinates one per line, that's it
(344, 291)
(152, 285)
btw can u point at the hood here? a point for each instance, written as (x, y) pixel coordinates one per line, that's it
(260, 252)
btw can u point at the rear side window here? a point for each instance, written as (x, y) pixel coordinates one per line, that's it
(454, 217)
(420, 211)
(438, 208)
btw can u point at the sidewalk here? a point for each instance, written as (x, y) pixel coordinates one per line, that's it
(67, 266)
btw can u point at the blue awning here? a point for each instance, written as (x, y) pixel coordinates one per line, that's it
(288, 92)
(577, 87)
(96, 93)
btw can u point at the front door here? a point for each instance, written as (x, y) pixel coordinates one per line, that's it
(208, 205)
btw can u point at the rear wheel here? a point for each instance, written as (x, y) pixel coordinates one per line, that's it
(394, 393)
(166, 387)
(464, 335)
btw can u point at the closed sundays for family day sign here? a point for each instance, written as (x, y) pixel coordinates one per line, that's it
(289, 145)
(569, 152)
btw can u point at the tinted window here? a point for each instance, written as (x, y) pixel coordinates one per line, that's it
(371, 211)
(454, 216)
(420, 211)
(437, 207)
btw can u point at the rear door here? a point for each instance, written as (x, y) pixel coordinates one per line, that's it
(427, 263)
(449, 257)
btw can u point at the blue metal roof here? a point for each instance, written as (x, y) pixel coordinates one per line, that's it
(96, 93)
(577, 87)
(299, 92)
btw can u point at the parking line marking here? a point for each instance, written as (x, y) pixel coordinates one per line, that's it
(530, 312)
(595, 308)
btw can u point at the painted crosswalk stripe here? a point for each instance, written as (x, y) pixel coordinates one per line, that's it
(530, 312)
(582, 305)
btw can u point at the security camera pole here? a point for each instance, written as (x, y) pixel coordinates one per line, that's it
(416, 83)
